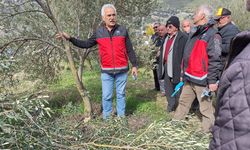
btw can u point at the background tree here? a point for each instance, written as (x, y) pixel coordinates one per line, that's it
(30, 27)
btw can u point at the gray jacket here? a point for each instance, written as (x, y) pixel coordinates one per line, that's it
(232, 125)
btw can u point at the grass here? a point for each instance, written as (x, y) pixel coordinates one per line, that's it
(140, 97)
(146, 126)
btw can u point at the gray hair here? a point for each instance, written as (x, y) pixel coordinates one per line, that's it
(207, 11)
(107, 6)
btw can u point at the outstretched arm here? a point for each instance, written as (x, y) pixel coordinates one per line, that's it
(79, 43)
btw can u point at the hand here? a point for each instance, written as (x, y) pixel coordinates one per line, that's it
(158, 54)
(62, 35)
(181, 79)
(134, 71)
(213, 87)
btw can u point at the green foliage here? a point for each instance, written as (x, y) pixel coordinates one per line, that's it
(21, 123)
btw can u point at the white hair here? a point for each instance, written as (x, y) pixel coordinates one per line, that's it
(107, 6)
(207, 11)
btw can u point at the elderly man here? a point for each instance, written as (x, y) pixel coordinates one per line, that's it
(162, 31)
(171, 58)
(155, 36)
(227, 31)
(186, 26)
(201, 61)
(156, 39)
(114, 50)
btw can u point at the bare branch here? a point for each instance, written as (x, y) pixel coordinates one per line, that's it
(19, 47)
(19, 13)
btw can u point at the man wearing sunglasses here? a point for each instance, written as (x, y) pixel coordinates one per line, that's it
(155, 36)
(227, 31)
(170, 59)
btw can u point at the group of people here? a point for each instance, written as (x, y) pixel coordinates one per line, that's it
(208, 53)
(196, 55)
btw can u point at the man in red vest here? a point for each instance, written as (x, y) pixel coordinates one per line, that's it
(202, 63)
(115, 48)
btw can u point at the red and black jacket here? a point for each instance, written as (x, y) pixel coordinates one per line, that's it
(115, 48)
(202, 56)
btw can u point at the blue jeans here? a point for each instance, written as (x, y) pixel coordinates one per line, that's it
(108, 81)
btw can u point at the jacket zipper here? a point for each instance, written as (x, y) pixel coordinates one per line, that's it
(204, 65)
(111, 42)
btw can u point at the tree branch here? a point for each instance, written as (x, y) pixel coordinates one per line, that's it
(19, 13)
(25, 39)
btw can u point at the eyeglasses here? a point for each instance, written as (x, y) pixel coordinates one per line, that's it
(170, 26)
(218, 19)
(155, 27)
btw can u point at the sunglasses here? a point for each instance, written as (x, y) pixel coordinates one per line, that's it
(218, 19)
(155, 27)
(170, 26)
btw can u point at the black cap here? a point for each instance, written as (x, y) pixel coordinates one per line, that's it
(222, 12)
(174, 21)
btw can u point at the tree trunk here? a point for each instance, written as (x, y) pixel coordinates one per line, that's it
(82, 90)
(80, 68)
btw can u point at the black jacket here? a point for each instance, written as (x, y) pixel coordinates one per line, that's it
(231, 130)
(227, 33)
(178, 49)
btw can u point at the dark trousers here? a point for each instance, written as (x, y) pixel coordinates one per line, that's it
(157, 85)
(169, 90)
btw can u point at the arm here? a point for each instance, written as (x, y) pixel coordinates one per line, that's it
(227, 38)
(184, 41)
(131, 52)
(84, 43)
(214, 61)
(131, 55)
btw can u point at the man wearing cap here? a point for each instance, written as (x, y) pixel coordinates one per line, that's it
(201, 60)
(170, 59)
(227, 31)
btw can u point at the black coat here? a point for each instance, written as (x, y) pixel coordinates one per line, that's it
(232, 125)
(178, 50)
(227, 33)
